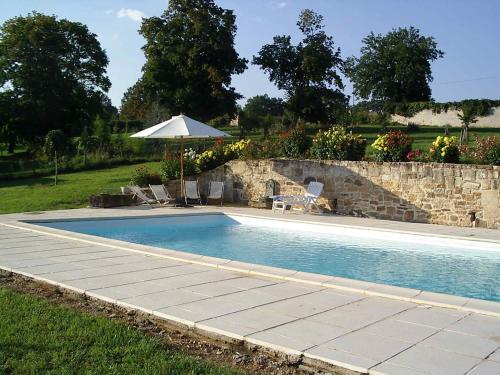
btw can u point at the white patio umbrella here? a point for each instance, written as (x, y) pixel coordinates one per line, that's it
(180, 127)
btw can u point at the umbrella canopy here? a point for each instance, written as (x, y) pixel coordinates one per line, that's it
(180, 127)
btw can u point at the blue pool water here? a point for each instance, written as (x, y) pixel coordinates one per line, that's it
(408, 263)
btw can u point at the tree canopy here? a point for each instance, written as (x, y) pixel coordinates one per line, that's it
(263, 105)
(395, 67)
(308, 71)
(52, 75)
(190, 58)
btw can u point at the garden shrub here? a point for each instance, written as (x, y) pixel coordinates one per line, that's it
(170, 168)
(392, 146)
(265, 149)
(417, 155)
(337, 144)
(485, 150)
(295, 142)
(143, 177)
(220, 154)
(445, 150)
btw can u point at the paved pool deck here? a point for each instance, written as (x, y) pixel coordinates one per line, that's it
(359, 326)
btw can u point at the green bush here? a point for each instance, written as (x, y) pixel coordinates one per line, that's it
(445, 150)
(337, 144)
(171, 168)
(265, 149)
(393, 146)
(485, 151)
(143, 177)
(295, 142)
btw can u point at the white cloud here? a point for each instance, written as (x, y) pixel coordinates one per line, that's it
(282, 4)
(133, 14)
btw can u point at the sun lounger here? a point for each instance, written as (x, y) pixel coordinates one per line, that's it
(216, 191)
(161, 194)
(191, 191)
(309, 199)
(141, 196)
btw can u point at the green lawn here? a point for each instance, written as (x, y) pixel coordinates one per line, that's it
(37, 337)
(72, 191)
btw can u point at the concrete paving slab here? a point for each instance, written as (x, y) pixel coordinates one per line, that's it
(478, 325)
(476, 346)
(300, 334)
(400, 330)
(130, 290)
(313, 303)
(99, 282)
(204, 309)
(362, 313)
(495, 356)
(213, 289)
(246, 282)
(486, 368)
(391, 369)
(159, 300)
(340, 358)
(50, 268)
(369, 346)
(246, 322)
(434, 361)
(431, 316)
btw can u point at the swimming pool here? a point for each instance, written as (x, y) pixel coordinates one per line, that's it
(459, 267)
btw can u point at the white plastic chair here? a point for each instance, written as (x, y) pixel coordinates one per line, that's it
(161, 194)
(143, 198)
(191, 191)
(216, 191)
(310, 198)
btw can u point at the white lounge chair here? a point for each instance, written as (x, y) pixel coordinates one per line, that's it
(216, 191)
(310, 198)
(139, 194)
(161, 194)
(191, 191)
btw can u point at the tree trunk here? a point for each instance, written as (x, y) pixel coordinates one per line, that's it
(12, 145)
(55, 165)
(464, 134)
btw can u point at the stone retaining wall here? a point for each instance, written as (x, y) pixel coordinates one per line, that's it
(447, 194)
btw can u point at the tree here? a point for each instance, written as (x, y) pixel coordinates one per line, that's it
(190, 58)
(56, 144)
(263, 105)
(308, 71)
(467, 117)
(134, 105)
(263, 110)
(55, 71)
(395, 67)
(102, 131)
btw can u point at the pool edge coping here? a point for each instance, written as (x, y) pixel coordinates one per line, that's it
(325, 281)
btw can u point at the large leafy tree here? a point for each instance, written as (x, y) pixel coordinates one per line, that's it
(395, 67)
(190, 58)
(263, 105)
(261, 111)
(308, 72)
(54, 72)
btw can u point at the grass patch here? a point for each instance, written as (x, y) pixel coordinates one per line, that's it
(72, 191)
(38, 337)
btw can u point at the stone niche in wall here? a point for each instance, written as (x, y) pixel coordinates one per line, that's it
(450, 194)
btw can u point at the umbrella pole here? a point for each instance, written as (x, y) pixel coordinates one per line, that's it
(182, 167)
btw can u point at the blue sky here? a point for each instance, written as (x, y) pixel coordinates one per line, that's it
(467, 31)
